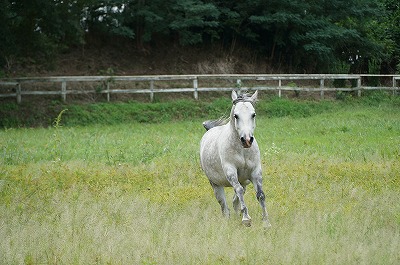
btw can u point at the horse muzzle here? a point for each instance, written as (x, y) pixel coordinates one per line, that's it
(247, 141)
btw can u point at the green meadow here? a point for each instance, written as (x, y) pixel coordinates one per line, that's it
(132, 192)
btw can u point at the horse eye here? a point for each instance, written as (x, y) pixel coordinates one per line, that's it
(253, 115)
(236, 116)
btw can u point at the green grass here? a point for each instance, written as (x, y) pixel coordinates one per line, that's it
(134, 193)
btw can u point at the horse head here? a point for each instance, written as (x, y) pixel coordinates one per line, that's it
(243, 117)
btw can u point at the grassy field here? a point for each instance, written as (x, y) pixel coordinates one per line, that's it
(134, 193)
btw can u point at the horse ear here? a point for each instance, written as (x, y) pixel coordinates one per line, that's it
(254, 96)
(234, 95)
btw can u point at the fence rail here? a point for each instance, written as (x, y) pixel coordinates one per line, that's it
(60, 85)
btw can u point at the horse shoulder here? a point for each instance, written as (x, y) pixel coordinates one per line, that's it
(208, 139)
(209, 149)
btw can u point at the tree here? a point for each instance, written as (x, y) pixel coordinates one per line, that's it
(109, 18)
(302, 35)
(147, 18)
(35, 28)
(8, 41)
(193, 19)
(313, 35)
(390, 28)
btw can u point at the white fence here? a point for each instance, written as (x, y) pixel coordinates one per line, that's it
(66, 85)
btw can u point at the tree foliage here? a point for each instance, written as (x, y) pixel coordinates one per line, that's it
(303, 35)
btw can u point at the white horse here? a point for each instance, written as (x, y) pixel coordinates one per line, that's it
(230, 156)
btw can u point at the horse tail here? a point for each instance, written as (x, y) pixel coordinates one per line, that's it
(214, 123)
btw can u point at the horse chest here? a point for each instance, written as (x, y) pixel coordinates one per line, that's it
(244, 163)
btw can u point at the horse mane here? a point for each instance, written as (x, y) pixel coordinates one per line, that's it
(245, 97)
(214, 123)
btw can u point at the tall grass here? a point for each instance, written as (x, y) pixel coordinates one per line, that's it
(133, 193)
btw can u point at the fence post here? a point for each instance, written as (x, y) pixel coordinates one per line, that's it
(359, 86)
(151, 90)
(108, 90)
(64, 91)
(18, 92)
(321, 86)
(195, 86)
(279, 86)
(394, 85)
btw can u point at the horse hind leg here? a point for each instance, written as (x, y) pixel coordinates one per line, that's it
(219, 193)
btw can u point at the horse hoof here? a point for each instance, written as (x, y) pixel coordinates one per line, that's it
(246, 222)
(267, 225)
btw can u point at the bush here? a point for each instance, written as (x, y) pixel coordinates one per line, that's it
(285, 107)
(42, 115)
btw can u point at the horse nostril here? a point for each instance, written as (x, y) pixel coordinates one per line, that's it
(247, 141)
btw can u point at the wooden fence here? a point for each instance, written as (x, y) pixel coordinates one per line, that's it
(66, 85)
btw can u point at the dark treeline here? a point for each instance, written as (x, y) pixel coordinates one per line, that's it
(337, 36)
